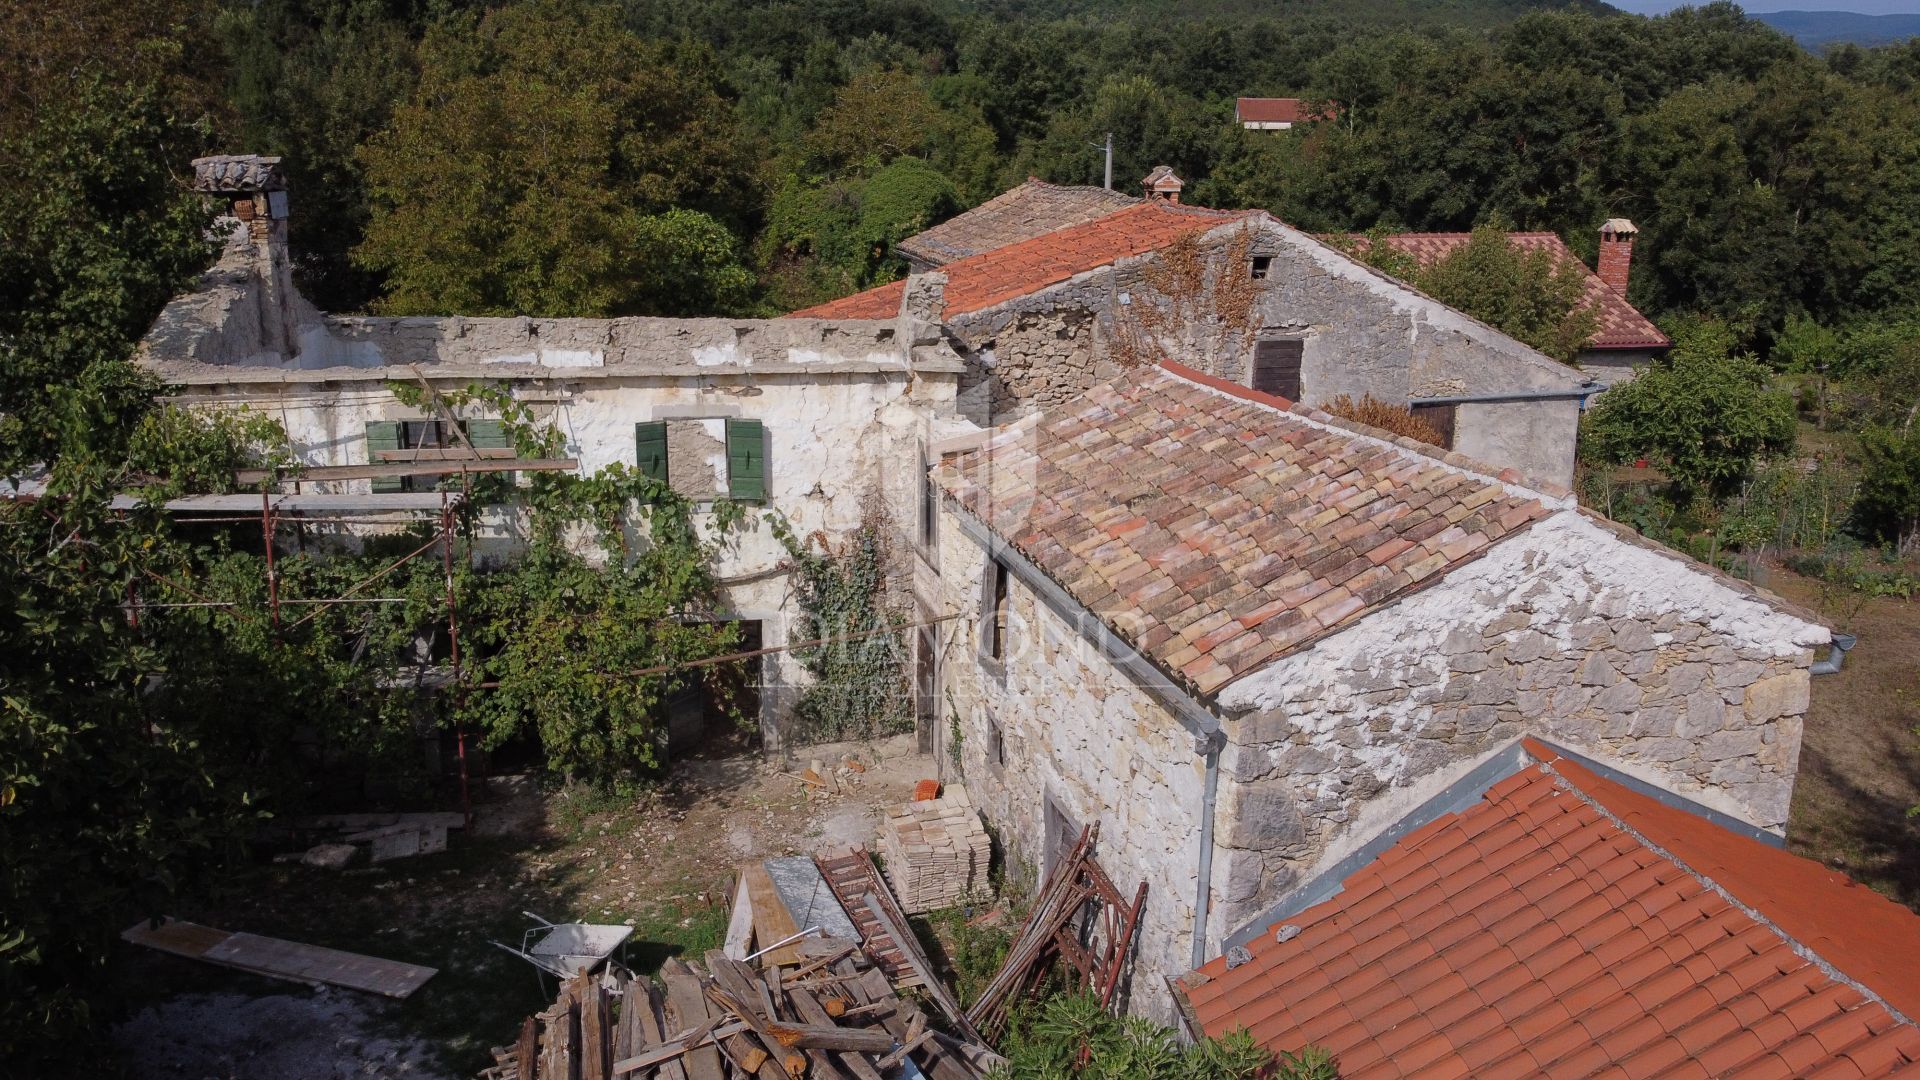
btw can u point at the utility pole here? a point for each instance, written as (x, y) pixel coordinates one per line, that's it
(1108, 147)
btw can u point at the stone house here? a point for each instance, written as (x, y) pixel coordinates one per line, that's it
(1019, 213)
(1245, 297)
(1274, 113)
(811, 418)
(1246, 637)
(1623, 341)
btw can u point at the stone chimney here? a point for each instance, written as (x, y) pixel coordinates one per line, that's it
(1616, 253)
(1162, 184)
(255, 191)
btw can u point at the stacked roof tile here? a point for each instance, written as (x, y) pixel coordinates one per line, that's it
(1566, 926)
(994, 277)
(1621, 326)
(1022, 213)
(1220, 528)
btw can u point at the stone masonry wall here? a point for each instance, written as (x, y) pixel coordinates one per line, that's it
(1078, 730)
(1030, 360)
(1620, 652)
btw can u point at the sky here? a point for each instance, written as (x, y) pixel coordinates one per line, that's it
(1865, 7)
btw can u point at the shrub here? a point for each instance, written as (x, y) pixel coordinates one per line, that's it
(1888, 505)
(1373, 412)
(1048, 1044)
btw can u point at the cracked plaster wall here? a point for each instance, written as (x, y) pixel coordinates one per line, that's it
(1633, 657)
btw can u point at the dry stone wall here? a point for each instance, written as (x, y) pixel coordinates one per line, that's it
(1634, 657)
(1079, 732)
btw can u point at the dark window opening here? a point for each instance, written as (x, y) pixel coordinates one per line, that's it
(1261, 264)
(1442, 419)
(929, 506)
(998, 626)
(399, 441)
(1276, 367)
(996, 742)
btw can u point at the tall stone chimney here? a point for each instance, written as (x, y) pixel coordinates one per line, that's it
(255, 190)
(1162, 184)
(1616, 253)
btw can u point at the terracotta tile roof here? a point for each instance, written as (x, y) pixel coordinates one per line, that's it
(1021, 213)
(1272, 110)
(1218, 528)
(1621, 326)
(994, 277)
(1531, 935)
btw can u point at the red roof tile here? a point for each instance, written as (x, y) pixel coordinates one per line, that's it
(1272, 110)
(1255, 519)
(1021, 213)
(1621, 326)
(1666, 1006)
(994, 277)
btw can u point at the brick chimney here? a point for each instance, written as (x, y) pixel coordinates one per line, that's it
(1162, 184)
(1616, 253)
(255, 191)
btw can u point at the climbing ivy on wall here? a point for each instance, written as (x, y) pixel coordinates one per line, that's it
(860, 687)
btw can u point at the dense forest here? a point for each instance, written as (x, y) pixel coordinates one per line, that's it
(601, 157)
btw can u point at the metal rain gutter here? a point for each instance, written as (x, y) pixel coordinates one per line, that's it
(1581, 392)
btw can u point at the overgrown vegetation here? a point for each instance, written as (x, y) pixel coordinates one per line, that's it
(1373, 412)
(859, 688)
(1071, 1035)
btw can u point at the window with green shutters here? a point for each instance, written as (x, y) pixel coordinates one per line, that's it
(384, 435)
(650, 449)
(746, 461)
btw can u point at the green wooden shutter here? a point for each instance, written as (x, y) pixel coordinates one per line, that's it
(384, 435)
(650, 449)
(489, 435)
(746, 461)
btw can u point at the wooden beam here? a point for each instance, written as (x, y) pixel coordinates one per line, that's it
(445, 453)
(414, 468)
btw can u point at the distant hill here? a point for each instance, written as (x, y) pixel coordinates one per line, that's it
(1818, 29)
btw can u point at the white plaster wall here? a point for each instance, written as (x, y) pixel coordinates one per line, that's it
(1105, 749)
(835, 441)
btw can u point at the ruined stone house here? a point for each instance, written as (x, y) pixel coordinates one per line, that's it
(814, 418)
(1623, 342)
(1242, 296)
(1246, 638)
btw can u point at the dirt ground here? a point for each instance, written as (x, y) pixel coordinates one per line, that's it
(661, 864)
(1860, 760)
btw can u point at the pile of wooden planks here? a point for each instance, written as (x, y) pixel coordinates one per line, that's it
(936, 850)
(830, 1014)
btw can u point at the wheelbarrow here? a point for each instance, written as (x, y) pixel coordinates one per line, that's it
(564, 950)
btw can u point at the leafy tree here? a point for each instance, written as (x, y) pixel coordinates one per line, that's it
(1887, 507)
(1705, 414)
(532, 170)
(96, 234)
(311, 82)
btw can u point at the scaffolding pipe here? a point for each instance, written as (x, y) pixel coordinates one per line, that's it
(266, 535)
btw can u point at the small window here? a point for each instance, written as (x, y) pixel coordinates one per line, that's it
(684, 459)
(1276, 367)
(1261, 264)
(996, 742)
(399, 441)
(1441, 417)
(929, 506)
(993, 613)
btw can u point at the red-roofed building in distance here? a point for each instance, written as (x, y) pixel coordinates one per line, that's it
(1276, 113)
(1245, 637)
(1548, 917)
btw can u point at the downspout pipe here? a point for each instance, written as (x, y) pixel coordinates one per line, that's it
(1209, 739)
(1842, 645)
(1582, 392)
